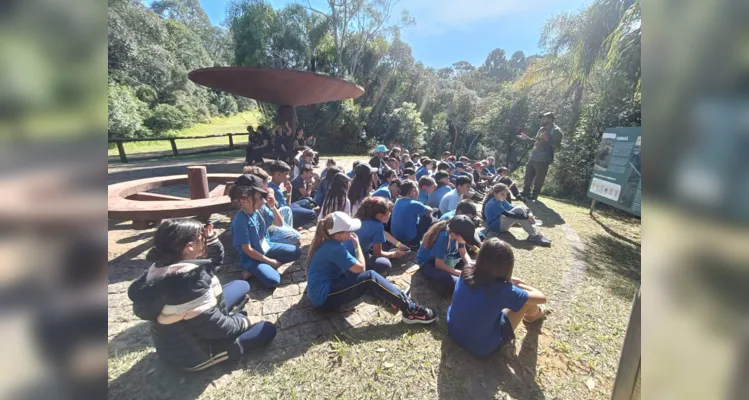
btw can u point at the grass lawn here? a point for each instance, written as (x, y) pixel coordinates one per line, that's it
(234, 124)
(573, 354)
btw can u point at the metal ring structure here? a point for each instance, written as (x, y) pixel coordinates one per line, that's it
(131, 200)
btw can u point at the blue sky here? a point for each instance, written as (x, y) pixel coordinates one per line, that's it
(448, 31)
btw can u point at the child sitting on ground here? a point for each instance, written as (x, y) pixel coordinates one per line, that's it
(443, 251)
(504, 177)
(409, 175)
(426, 169)
(426, 187)
(389, 192)
(304, 185)
(443, 188)
(351, 173)
(501, 215)
(258, 255)
(194, 323)
(489, 303)
(461, 191)
(465, 207)
(336, 198)
(302, 209)
(411, 219)
(284, 233)
(329, 164)
(387, 176)
(374, 213)
(336, 277)
(322, 190)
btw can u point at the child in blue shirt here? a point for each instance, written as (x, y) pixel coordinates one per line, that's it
(336, 277)
(389, 192)
(443, 188)
(303, 209)
(257, 254)
(323, 189)
(426, 187)
(501, 215)
(374, 213)
(284, 233)
(411, 219)
(489, 303)
(426, 168)
(443, 251)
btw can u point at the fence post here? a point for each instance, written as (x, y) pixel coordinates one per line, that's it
(121, 150)
(174, 147)
(231, 142)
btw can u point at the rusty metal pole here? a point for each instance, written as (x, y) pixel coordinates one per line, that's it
(197, 180)
(287, 114)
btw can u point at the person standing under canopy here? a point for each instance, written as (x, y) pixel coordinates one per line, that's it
(548, 140)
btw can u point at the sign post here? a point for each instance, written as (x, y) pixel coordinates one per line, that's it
(617, 171)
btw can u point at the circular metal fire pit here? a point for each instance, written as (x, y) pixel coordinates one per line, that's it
(132, 201)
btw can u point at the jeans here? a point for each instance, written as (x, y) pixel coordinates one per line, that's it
(535, 174)
(353, 286)
(259, 335)
(505, 223)
(381, 265)
(303, 213)
(267, 275)
(285, 234)
(442, 280)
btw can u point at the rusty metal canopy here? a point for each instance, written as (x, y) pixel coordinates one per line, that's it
(277, 86)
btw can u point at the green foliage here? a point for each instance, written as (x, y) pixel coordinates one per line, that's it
(125, 119)
(152, 50)
(406, 125)
(165, 117)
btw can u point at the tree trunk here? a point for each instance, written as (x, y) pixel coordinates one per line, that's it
(576, 109)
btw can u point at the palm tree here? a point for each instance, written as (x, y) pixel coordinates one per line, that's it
(606, 33)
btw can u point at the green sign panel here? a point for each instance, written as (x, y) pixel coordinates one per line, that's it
(617, 171)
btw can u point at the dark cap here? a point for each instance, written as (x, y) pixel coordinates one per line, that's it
(546, 114)
(460, 164)
(463, 225)
(251, 181)
(364, 168)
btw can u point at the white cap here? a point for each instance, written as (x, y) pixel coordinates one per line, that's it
(342, 222)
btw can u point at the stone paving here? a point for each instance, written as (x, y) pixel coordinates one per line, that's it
(287, 305)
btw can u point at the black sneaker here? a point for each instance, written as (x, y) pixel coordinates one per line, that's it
(239, 308)
(539, 240)
(420, 315)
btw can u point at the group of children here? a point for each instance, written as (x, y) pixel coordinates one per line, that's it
(377, 212)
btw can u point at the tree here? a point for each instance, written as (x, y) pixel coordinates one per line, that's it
(406, 126)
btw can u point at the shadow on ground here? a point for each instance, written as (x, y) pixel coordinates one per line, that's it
(464, 376)
(548, 216)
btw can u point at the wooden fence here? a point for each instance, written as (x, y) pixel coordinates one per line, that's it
(173, 141)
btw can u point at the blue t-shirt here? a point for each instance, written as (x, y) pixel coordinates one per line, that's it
(442, 247)
(493, 211)
(450, 201)
(278, 194)
(321, 192)
(492, 169)
(405, 219)
(436, 196)
(328, 264)
(473, 318)
(447, 216)
(421, 172)
(423, 197)
(324, 173)
(371, 232)
(350, 174)
(383, 192)
(249, 229)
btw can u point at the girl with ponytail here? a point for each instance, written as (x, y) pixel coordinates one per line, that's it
(335, 276)
(194, 320)
(500, 215)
